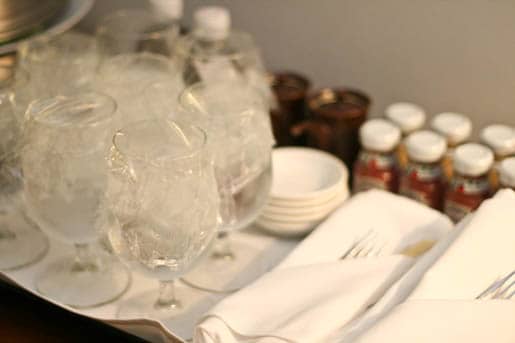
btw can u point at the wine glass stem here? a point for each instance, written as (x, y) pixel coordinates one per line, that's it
(84, 260)
(167, 298)
(222, 247)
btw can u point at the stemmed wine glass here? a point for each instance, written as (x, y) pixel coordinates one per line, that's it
(237, 121)
(21, 241)
(66, 139)
(58, 64)
(235, 59)
(164, 201)
(136, 31)
(126, 77)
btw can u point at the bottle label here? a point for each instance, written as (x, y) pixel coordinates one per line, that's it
(379, 161)
(470, 186)
(365, 183)
(415, 195)
(456, 211)
(424, 172)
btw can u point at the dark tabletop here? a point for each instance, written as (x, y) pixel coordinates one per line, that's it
(26, 318)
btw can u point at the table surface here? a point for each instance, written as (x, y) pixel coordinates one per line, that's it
(26, 318)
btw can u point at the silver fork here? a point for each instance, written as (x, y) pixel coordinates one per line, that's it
(502, 288)
(365, 246)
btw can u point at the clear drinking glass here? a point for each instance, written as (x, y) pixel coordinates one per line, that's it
(162, 98)
(66, 140)
(59, 64)
(233, 59)
(236, 118)
(21, 241)
(126, 77)
(136, 30)
(163, 196)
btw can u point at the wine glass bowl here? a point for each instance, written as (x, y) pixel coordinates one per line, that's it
(136, 30)
(21, 241)
(164, 201)
(66, 139)
(236, 117)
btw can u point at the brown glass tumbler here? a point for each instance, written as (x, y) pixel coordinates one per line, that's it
(290, 90)
(335, 116)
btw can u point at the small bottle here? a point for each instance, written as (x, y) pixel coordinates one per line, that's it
(507, 173)
(469, 186)
(422, 179)
(168, 9)
(376, 166)
(456, 128)
(409, 118)
(501, 139)
(212, 53)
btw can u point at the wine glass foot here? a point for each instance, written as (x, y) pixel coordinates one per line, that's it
(146, 305)
(21, 241)
(227, 273)
(84, 285)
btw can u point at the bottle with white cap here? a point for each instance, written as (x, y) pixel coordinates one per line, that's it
(456, 128)
(507, 173)
(376, 166)
(469, 186)
(212, 52)
(169, 9)
(501, 139)
(422, 179)
(409, 118)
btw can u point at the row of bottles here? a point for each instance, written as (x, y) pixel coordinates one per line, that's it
(436, 167)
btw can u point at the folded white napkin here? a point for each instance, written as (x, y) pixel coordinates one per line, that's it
(484, 251)
(445, 321)
(301, 304)
(400, 291)
(313, 293)
(396, 222)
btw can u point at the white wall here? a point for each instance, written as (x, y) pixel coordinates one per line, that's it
(456, 55)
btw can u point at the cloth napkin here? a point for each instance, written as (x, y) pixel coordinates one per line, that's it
(396, 222)
(400, 291)
(484, 251)
(460, 266)
(445, 321)
(313, 293)
(302, 304)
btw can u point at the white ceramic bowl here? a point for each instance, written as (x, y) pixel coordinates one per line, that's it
(307, 213)
(305, 176)
(287, 229)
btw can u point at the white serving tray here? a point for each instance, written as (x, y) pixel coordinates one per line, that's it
(273, 250)
(74, 11)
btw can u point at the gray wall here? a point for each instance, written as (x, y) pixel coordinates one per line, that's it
(447, 55)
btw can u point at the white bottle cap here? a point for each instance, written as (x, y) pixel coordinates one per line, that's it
(171, 9)
(408, 117)
(507, 172)
(472, 159)
(455, 127)
(500, 138)
(212, 23)
(379, 135)
(425, 146)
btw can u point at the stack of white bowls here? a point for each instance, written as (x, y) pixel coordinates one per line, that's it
(307, 186)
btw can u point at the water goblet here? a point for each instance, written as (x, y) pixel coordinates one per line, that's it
(59, 64)
(136, 31)
(236, 119)
(66, 139)
(164, 201)
(21, 241)
(126, 77)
